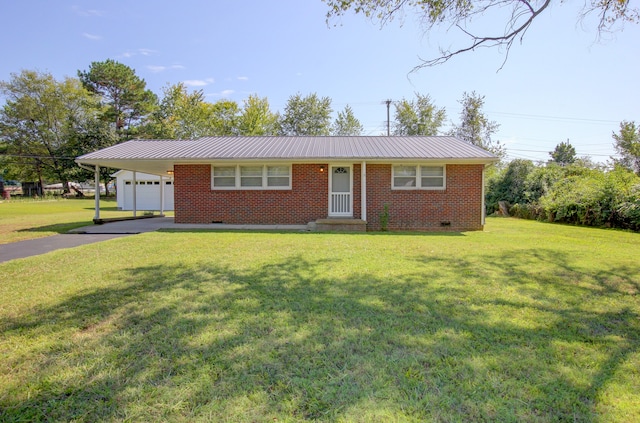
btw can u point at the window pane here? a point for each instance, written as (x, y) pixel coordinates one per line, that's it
(404, 171)
(432, 171)
(251, 171)
(251, 181)
(224, 181)
(224, 171)
(278, 171)
(278, 181)
(404, 182)
(433, 182)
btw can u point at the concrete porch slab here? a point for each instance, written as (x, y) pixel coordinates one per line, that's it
(341, 225)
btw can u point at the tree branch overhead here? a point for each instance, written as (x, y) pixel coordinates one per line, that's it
(517, 15)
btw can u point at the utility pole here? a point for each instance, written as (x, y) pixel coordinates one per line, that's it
(388, 103)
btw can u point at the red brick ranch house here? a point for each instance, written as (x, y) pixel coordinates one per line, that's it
(395, 183)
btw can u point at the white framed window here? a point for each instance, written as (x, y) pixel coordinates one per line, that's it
(418, 177)
(405, 176)
(251, 176)
(278, 176)
(432, 176)
(223, 177)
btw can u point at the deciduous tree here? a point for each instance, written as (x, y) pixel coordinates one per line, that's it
(180, 115)
(256, 118)
(39, 119)
(346, 123)
(223, 117)
(475, 127)
(310, 115)
(627, 144)
(418, 117)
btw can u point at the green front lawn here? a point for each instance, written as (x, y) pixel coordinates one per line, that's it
(523, 322)
(22, 219)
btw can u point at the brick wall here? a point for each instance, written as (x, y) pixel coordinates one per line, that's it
(459, 204)
(196, 202)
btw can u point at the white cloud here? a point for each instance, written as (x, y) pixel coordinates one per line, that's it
(87, 12)
(198, 82)
(195, 83)
(92, 37)
(243, 78)
(140, 51)
(223, 93)
(160, 68)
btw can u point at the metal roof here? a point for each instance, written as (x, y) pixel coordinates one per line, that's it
(158, 156)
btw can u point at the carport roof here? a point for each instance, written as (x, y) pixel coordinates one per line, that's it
(159, 156)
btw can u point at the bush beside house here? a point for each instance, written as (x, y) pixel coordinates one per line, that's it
(575, 194)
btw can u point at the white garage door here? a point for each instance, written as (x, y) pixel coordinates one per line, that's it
(148, 195)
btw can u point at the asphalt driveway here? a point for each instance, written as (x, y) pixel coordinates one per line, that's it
(96, 233)
(34, 247)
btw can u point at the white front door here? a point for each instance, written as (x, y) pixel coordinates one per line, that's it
(340, 191)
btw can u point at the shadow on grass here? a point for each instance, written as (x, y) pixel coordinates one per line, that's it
(284, 341)
(60, 228)
(106, 209)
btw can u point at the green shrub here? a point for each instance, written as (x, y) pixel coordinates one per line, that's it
(508, 185)
(541, 180)
(593, 198)
(629, 210)
(527, 211)
(580, 194)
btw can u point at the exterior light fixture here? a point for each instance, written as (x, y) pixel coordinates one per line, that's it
(169, 172)
(321, 168)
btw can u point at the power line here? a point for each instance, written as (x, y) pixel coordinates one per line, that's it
(541, 151)
(543, 117)
(32, 156)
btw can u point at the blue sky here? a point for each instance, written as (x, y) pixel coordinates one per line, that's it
(561, 83)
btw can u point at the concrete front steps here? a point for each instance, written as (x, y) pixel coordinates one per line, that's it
(338, 225)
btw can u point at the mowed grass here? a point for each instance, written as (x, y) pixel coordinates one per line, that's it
(22, 219)
(526, 322)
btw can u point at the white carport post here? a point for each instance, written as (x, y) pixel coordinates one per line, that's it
(161, 195)
(135, 189)
(96, 216)
(363, 191)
